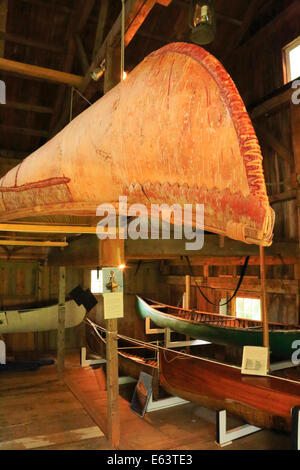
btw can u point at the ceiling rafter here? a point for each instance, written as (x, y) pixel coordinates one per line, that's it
(44, 73)
(77, 23)
(13, 38)
(136, 11)
(249, 16)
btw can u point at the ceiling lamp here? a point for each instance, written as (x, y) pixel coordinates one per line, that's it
(202, 21)
(97, 73)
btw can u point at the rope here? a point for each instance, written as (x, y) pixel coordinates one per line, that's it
(179, 353)
(244, 268)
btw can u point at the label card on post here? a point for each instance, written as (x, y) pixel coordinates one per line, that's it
(113, 305)
(255, 360)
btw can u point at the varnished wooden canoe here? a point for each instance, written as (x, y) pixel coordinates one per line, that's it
(220, 329)
(40, 319)
(175, 131)
(132, 359)
(262, 401)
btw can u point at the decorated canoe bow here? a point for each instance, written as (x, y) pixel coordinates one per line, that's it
(175, 131)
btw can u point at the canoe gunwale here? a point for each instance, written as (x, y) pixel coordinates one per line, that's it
(218, 317)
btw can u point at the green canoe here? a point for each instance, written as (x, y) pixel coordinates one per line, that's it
(221, 329)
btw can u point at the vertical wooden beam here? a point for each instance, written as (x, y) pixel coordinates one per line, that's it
(61, 322)
(112, 378)
(100, 26)
(187, 292)
(109, 255)
(81, 53)
(112, 67)
(264, 298)
(295, 127)
(3, 18)
(187, 301)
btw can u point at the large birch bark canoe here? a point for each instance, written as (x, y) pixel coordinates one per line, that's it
(175, 131)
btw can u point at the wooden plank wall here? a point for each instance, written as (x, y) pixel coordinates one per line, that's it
(22, 283)
(257, 69)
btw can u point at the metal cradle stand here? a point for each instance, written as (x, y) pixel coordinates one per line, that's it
(296, 428)
(84, 362)
(164, 403)
(2, 352)
(224, 437)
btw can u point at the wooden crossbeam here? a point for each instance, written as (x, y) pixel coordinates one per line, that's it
(28, 107)
(233, 261)
(270, 105)
(275, 286)
(43, 73)
(284, 196)
(274, 143)
(49, 5)
(4, 36)
(31, 243)
(37, 228)
(24, 131)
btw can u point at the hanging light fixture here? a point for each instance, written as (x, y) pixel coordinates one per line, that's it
(97, 73)
(202, 21)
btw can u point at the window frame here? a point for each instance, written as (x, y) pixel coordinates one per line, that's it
(246, 296)
(286, 60)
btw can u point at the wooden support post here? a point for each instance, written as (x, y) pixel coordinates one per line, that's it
(188, 292)
(264, 298)
(295, 125)
(187, 305)
(109, 253)
(112, 377)
(61, 322)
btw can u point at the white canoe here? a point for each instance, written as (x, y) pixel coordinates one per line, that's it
(40, 319)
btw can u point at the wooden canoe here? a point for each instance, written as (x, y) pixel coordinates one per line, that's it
(220, 329)
(262, 401)
(132, 359)
(175, 131)
(40, 319)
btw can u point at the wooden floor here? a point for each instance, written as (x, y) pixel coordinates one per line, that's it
(39, 412)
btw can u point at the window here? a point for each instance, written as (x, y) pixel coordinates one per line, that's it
(96, 281)
(291, 58)
(248, 308)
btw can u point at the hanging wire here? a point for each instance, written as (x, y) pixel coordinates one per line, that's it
(123, 40)
(243, 272)
(72, 99)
